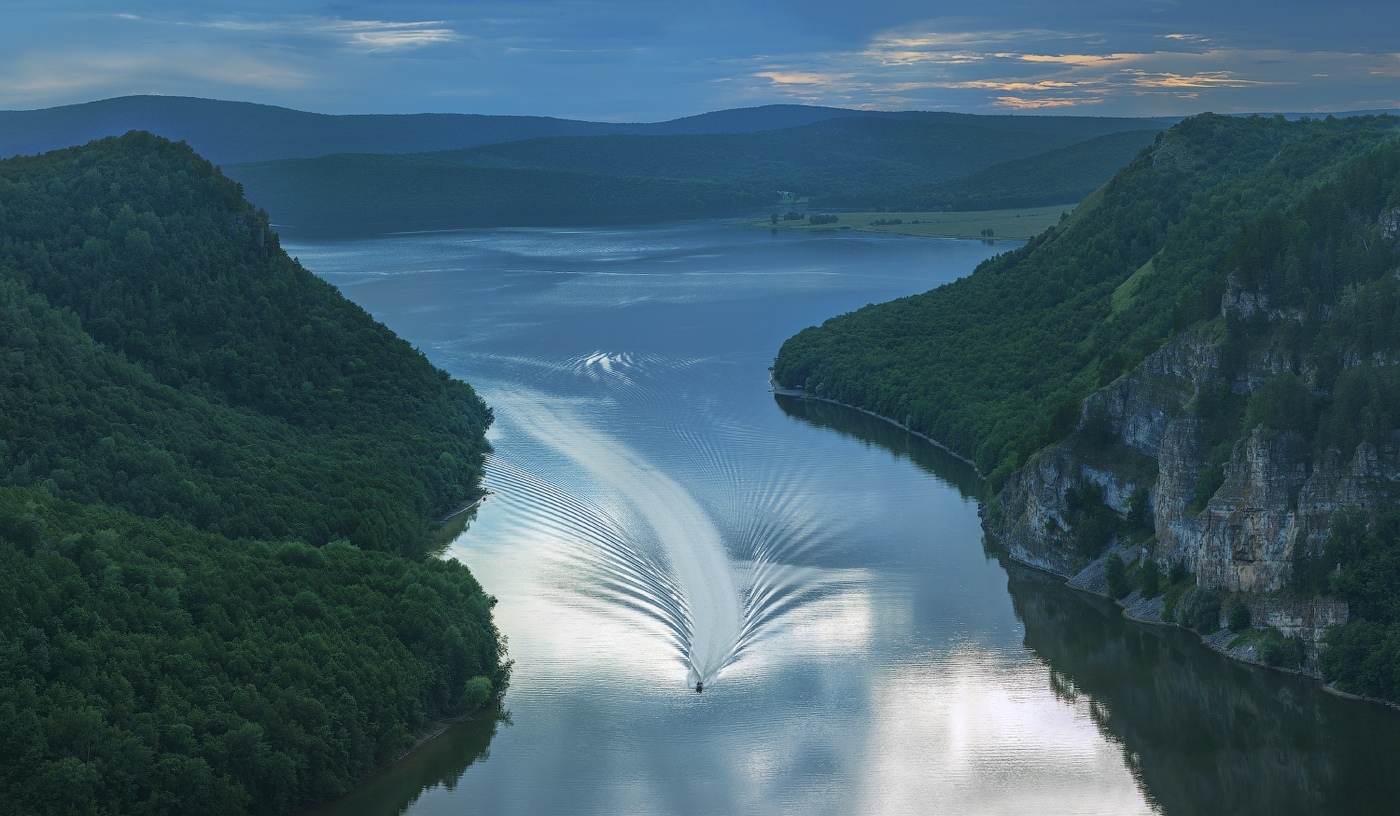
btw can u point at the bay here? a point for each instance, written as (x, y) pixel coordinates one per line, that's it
(659, 518)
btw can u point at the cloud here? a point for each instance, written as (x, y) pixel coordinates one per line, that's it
(1004, 85)
(1209, 79)
(1080, 60)
(1132, 70)
(373, 35)
(802, 78)
(1044, 102)
(910, 47)
(40, 74)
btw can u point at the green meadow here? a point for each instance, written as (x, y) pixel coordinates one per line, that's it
(1015, 224)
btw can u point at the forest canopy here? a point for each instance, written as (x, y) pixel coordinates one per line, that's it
(217, 485)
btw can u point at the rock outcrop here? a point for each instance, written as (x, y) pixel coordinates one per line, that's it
(1275, 498)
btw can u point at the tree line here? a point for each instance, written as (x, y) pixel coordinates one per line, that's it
(216, 483)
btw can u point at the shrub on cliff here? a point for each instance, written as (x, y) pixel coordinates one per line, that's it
(1094, 523)
(1239, 617)
(1150, 579)
(1116, 574)
(1281, 652)
(1200, 610)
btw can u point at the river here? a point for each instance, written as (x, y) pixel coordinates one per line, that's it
(658, 519)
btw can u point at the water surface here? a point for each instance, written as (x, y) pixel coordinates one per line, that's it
(659, 518)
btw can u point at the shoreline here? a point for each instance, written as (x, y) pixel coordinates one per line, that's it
(466, 505)
(1127, 612)
(799, 393)
(426, 735)
(1068, 580)
(1012, 224)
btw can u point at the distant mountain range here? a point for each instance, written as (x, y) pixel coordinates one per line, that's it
(382, 172)
(586, 179)
(233, 132)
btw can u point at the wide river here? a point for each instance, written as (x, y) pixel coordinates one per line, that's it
(658, 517)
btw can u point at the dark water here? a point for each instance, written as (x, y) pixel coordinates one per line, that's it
(660, 518)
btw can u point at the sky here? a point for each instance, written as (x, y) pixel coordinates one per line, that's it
(629, 60)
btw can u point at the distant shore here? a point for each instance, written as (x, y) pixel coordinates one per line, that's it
(1015, 225)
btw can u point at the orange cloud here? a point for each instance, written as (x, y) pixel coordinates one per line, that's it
(1081, 60)
(801, 77)
(1021, 103)
(1206, 79)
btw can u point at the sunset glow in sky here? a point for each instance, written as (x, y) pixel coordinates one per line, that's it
(645, 61)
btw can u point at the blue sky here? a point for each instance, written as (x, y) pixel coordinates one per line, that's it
(623, 60)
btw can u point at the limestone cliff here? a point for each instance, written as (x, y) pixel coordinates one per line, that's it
(1273, 495)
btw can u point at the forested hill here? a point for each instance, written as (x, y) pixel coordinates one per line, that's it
(1054, 177)
(227, 132)
(1196, 372)
(581, 179)
(216, 483)
(995, 365)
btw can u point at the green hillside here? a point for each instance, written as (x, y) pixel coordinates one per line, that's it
(591, 178)
(823, 158)
(386, 193)
(995, 364)
(1267, 251)
(186, 416)
(1064, 174)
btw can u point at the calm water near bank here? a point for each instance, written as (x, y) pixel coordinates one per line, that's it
(658, 517)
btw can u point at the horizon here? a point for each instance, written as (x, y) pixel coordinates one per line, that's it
(626, 61)
(1394, 111)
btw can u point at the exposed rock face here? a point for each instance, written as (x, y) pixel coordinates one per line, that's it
(1035, 526)
(1277, 497)
(1251, 525)
(1306, 619)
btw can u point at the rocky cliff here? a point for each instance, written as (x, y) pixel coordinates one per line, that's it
(1273, 498)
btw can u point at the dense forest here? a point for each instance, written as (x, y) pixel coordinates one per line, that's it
(581, 179)
(217, 480)
(1066, 174)
(1279, 241)
(996, 364)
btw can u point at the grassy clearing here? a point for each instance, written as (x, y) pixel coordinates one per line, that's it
(1123, 296)
(1018, 224)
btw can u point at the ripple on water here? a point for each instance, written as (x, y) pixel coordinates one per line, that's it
(717, 579)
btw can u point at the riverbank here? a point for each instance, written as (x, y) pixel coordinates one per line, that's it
(452, 524)
(444, 750)
(798, 393)
(1015, 225)
(1092, 580)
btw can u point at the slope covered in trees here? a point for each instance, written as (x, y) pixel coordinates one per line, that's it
(588, 178)
(197, 311)
(1274, 244)
(996, 364)
(361, 193)
(186, 416)
(1054, 177)
(227, 132)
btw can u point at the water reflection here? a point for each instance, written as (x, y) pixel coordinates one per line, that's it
(440, 761)
(884, 668)
(1203, 734)
(873, 430)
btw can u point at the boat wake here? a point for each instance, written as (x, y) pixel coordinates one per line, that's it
(649, 546)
